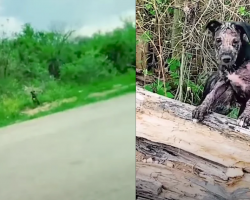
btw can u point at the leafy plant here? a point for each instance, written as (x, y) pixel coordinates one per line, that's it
(173, 64)
(243, 11)
(149, 7)
(158, 87)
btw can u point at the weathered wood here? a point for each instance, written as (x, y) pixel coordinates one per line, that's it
(163, 105)
(179, 183)
(141, 198)
(150, 186)
(215, 151)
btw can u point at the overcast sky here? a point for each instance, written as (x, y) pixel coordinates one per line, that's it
(86, 16)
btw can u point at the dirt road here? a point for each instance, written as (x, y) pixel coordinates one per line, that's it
(85, 153)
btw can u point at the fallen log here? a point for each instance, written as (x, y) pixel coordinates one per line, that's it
(187, 160)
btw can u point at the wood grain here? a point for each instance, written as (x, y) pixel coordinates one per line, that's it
(215, 151)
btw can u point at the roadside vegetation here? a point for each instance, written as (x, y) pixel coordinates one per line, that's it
(63, 71)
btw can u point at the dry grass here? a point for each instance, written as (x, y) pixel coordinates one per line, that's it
(48, 106)
(175, 30)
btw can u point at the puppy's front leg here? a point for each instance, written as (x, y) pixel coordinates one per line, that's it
(201, 110)
(244, 118)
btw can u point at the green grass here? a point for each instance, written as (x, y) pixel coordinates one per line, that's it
(127, 83)
(84, 66)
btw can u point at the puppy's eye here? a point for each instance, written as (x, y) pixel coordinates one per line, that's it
(218, 40)
(235, 42)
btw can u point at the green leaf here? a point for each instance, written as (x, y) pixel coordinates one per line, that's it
(159, 87)
(170, 95)
(161, 92)
(174, 64)
(159, 1)
(152, 12)
(168, 87)
(148, 6)
(160, 83)
(148, 88)
(171, 10)
(242, 11)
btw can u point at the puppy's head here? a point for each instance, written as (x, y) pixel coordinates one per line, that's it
(228, 40)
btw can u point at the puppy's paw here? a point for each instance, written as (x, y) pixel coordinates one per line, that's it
(195, 120)
(199, 113)
(244, 120)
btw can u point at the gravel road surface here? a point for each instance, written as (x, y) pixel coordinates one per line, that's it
(87, 153)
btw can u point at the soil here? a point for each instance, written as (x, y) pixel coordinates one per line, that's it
(48, 106)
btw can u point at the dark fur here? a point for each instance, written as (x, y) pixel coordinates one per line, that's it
(34, 98)
(220, 92)
(224, 103)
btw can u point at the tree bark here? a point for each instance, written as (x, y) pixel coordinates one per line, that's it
(188, 160)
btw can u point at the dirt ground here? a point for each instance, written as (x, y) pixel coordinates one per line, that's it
(48, 106)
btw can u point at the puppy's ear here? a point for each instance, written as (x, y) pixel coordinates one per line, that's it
(213, 25)
(244, 28)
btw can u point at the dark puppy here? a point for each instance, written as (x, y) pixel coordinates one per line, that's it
(34, 98)
(232, 81)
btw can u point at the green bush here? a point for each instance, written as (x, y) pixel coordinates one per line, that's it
(27, 56)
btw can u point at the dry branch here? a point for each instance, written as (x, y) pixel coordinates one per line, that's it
(141, 51)
(182, 155)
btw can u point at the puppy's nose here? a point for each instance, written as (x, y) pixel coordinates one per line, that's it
(226, 59)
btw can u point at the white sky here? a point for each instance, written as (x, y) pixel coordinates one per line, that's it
(84, 16)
